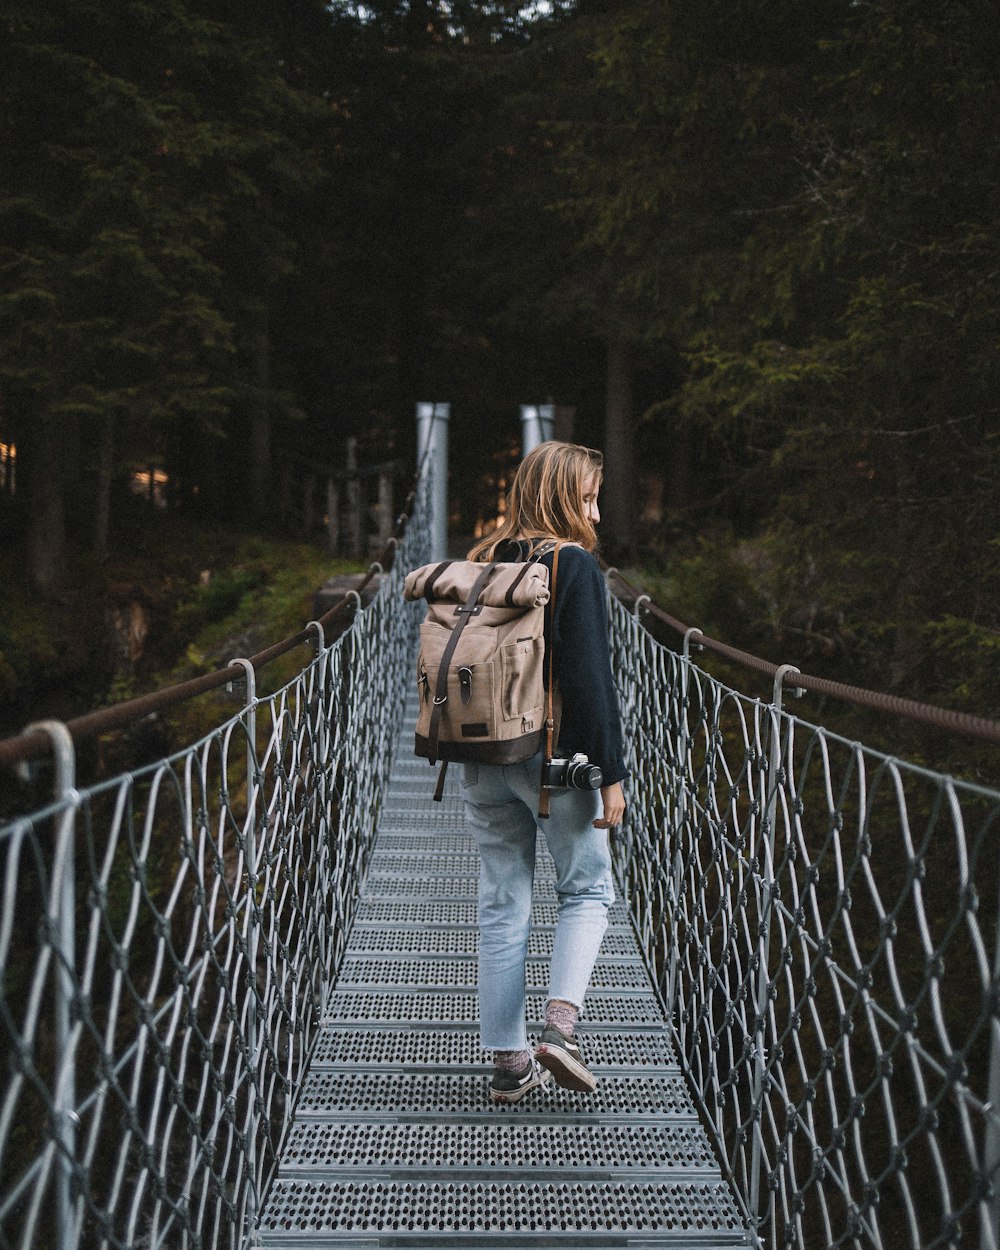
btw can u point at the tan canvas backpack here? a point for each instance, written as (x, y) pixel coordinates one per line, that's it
(481, 662)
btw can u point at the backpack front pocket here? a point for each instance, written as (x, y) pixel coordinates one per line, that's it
(521, 666)
(469, 707)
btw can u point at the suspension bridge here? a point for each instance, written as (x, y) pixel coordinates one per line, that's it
(238, 1000)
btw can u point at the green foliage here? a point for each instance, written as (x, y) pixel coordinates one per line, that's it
(264, 595)
(205, 595)
(150, 158)
(712, 583)
(26, 646)
(222, 595)
(801, 200)
(227, 229)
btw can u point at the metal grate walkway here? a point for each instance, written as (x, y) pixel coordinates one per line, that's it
(395, 1142)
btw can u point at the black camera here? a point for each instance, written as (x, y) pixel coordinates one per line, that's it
(577, 773)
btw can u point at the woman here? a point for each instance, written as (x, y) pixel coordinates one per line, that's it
(553, 496)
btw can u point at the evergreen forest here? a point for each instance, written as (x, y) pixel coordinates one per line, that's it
(755, 246)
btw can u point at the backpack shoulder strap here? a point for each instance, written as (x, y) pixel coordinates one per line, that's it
(545, 546)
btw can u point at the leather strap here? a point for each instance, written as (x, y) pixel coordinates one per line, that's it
(441, 691)
(439, 788)
(550, 724)
(465, 683)
(533, 558)
(509, 598)
(429, 584)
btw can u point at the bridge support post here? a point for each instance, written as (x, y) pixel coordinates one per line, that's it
(432, 459)
(759, 1053)
(61, 925)
(683, 814)
(537, 424)
(991, 1146)
(251, 931)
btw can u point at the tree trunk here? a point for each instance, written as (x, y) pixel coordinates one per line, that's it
(8, 467)
(209, 490)
(332, 516)
(308, 505)
(383, 511)
(618, 503)
(565, 421)
(46, 510)
(907, 650)
(105, 473)
(678, 482)
(259, 347)
(352, 490)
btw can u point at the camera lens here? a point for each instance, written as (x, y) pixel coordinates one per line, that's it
(583, 775)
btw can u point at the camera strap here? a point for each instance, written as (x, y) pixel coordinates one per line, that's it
(550, 724)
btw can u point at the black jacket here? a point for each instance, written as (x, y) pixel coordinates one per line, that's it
(577, 625)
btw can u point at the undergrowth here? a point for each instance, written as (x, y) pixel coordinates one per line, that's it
(200, 597)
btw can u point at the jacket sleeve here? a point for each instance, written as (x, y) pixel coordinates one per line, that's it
(591, 721)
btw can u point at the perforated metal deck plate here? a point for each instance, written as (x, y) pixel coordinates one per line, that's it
(452, 940)
(387, 971)
(439, 1007)
(461, 912)
(504, 1213)
(454, 1049)
(431, 1095)
(500, 1147)
(395, 1141)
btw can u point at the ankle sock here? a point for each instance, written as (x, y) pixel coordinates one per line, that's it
(511, 1060)
(562, 1014)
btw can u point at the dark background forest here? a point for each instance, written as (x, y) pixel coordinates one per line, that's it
(755, 246)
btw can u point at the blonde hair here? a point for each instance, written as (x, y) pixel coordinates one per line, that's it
(546, 498)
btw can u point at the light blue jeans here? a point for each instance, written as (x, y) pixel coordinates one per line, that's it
(501, 806)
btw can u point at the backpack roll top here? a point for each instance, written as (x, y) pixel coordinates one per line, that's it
(481, 660)
(522, 585)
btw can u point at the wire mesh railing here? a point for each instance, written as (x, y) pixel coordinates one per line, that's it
(167, 938)
(821, 920)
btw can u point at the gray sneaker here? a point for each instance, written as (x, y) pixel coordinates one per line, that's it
(512, 1086)
(561, 1056)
